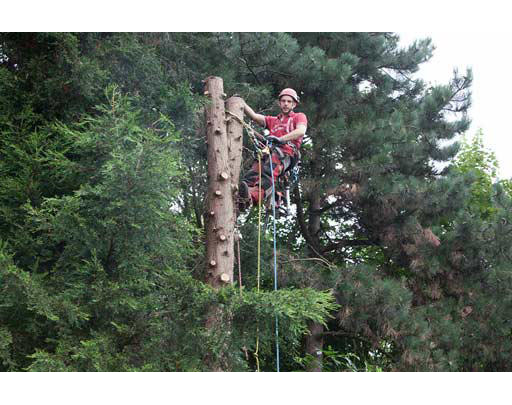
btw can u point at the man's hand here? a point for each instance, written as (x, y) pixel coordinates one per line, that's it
(274, 139)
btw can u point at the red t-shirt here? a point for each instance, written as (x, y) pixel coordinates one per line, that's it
(282, 125)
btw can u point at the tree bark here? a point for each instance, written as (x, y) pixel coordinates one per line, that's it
(224, 140)
(314, 341)
(220, 213)
(235, 105)
(314, 346)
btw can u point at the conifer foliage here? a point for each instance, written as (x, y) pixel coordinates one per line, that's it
(397, 256)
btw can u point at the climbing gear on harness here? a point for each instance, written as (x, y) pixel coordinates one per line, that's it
(264, 145)
(282, 180)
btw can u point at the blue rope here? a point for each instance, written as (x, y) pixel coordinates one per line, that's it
(275, 254)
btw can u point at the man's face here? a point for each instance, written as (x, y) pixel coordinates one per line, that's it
(287, 104)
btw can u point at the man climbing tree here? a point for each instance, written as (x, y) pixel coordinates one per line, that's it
(286, 133)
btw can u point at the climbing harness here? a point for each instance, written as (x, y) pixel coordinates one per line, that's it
(287, 179)
(285, 182)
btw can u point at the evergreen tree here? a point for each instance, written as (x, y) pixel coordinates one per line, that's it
(474, 158)
(372, 201)
(96, 256)
(101, 209)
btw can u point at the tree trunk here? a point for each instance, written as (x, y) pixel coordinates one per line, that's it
(314, 341)
(220, 213)
(311, 233)
(235, 105)
(314, 346)
(224, 139)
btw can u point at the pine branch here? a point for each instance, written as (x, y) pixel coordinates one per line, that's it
(243, 59)
(303, 227)
(347, 243)
(355, 336)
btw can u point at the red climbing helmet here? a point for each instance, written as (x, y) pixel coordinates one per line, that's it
(289, 92)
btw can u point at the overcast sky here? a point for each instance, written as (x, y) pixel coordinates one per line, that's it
(488, 54)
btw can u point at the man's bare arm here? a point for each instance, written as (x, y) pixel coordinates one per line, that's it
(295, 134)
(258, 118)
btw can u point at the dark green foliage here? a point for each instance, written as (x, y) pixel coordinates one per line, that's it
(95, 274)
(95, 255)
(101, 203)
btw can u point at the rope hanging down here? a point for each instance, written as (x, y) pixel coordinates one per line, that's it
(259, 256)
(261, 147)
(259, 261)
(275, 258)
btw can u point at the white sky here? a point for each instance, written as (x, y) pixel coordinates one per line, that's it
(489, 56)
